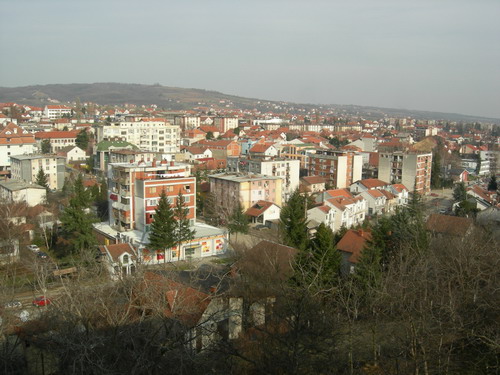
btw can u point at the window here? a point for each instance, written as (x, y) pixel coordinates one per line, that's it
(187, 187)
(125, 259)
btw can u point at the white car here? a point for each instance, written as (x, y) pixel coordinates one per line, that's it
(33, 248)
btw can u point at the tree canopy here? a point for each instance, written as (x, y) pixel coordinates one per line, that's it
(293, 221)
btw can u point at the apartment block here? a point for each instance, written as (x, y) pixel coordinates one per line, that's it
(56, 111)
(340, 168)
(409, 169)
(149, 134)
(288, 170)
(135, 189)
(223, 124)
(247, 188)
(14, 141)
(26, 167)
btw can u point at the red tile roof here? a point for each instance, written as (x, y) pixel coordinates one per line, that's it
(258, 208)
(450, 225)
(372, 183)
(57, 134)
(314, 180)
(354, 241)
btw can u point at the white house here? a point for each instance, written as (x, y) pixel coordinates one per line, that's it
(322, 214)
(73, 153)
(262, 212)
(375, 201)
(21, 191)
(120, 259)
(194, 153)
(368, 184)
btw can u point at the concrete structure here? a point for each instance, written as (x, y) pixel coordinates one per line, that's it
(288, 170)
(410, 169)
(58, 139)
(149, 134)
(223, 124)
(135, 189)
(14, 141)
(56, 111)
(21, 191)
(247, 188)
(26, 167)
(340, 168)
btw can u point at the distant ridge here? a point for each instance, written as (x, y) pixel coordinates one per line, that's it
(175, 98)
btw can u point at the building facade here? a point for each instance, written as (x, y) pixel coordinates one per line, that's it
(14, 141)
(409, 169)
(340, 168)
(56, 111)
(26, 167)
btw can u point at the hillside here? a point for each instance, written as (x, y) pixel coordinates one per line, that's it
(175, 98)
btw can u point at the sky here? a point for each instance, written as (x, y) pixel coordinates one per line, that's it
(435, 55)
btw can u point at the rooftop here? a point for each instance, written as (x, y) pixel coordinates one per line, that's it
(15, 185)
(243, 177)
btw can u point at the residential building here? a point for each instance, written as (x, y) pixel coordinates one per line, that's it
(223, 124)
(149, 134)
(135, 189)
(54, 111)
(321, 214)
(340, 168)
(449, 226)
(14, 141)
(245, 188)
(26, 167)
(288, 170)
(351, 246)
(228, 147)
(368, 184)
(187, 122)
(313, 184)
(58, 139)
(493, 157)
(120, 259)
(103, 149)
(349, 210)
(21, 191)
(375, 201)
(72, 154)
(263, 212)
(409, 169)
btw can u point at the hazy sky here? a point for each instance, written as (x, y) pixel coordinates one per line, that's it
(439, 55)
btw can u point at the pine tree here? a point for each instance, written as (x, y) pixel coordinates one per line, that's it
(82, 140)
(436, 171)
(45, 146)
(77, 220)
(238, 221)
(492, 184)
(319, 265)
(183, 230)
(459, 192)
(162, 233)
(210, 210)
(41, 179)
(293, 222)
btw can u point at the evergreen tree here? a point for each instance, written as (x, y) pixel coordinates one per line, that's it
(293, 222)
(45, 146)
(210, 210)
(466, 209)
(209, 136)
(459, 192)
(183, 230)
(41, 179)
(77, 219)
(238, 221)
(101, 200)
(162, 233)
(369, 269)
(82, 140)
(319, 265)
(492, 184)
(436, 171)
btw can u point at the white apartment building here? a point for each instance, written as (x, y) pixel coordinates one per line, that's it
(223, 124)
(149, 134)
(287, 169)
(26, 167)
(23, 192)
(56, 111)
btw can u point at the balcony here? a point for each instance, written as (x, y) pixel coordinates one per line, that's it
(120, 206)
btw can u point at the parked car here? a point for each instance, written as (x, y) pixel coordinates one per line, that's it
(13, 305)
(41, 301)
(42, 255)
(33, 248)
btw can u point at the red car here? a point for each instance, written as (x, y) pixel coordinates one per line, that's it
(41, 301)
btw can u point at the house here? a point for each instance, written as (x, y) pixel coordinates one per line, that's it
(229, 147)
(194, 153)
(264, 151)
(375, 201)
(313, 184)
(368, 184)
(349, 210)
(9, 251)
(263, 212)
(21, 191)
(351, 246)
(401, 193)
(321, 214)
(72, 153)
(58, 139)
(449, 226)
(120, 259)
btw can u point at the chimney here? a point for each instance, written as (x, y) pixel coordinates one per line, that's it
(163, 162)
(172, 163)
(131, 161)
(360, 232)
(154, 162)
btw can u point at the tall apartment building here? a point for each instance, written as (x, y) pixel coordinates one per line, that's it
(188, 122)
(493, 158)
(26, 167)
(149, 134)
(247, 188)
(288, 170)
(409, 169)
(340, 168)
(135, 189)
(14, 141)
(56, 111)
(223, 124)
